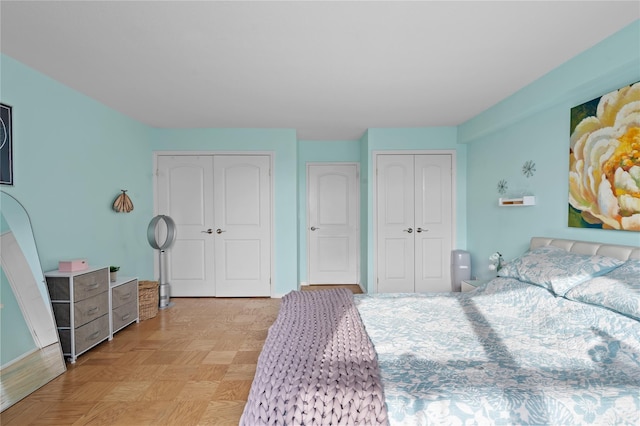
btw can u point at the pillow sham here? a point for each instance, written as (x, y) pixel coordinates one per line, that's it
(557, 269)
(619, 290)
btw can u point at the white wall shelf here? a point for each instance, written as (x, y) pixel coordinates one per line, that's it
(528, 200)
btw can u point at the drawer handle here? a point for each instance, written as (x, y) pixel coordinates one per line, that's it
(125, 317)
(90, 287)
(125, 296)
(93, 336)
(92, 310)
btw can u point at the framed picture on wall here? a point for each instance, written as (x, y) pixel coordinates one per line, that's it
(6, 145)
(604, 162)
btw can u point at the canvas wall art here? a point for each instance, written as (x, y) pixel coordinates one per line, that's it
(6, 145)
(604, 162)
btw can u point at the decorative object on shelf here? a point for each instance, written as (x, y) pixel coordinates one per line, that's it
(496, 262)
(528, 168)
(502, 187)
(6, 145)
(113, 273)
(73, 265)
(123, 203)
(604, 162)
(527, 200)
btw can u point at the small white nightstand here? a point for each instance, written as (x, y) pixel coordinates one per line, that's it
(468, 285)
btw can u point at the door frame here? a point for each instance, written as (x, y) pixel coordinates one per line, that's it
(358, 230)
(270, 154)
(374, 198)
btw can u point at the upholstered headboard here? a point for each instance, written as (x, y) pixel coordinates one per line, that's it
(586, 247)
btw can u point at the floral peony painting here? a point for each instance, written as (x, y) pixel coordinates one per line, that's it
(604, 162)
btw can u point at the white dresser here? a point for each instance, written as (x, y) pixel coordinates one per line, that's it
(81, 306)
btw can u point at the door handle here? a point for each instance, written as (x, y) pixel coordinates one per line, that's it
(313, 228)
(409, 230)
(208, 231)
(219, 231)
(420, 230)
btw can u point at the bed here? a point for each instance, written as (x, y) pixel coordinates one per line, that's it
(555, 339)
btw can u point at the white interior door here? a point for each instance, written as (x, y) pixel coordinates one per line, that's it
(185, 193)
(433, 213)
(414, 222)
(333, 223)
(243, 225)
(395, 212)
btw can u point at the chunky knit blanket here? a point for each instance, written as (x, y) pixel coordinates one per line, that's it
(317, 366)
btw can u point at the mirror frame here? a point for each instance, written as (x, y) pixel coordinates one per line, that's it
(31, 370)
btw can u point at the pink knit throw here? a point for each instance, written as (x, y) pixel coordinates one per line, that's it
(317, 366)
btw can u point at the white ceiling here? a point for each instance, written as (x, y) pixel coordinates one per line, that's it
(328, 69)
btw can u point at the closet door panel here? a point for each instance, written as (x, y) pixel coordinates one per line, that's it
(395, 217)
(242, 188)
(185, 193)
(433, 222)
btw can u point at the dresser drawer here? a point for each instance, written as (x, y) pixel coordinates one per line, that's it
(89, 309)
(124, 293)
(84, 311)
(124, 314)
(84, 285)
(85, 336)
(89, 284)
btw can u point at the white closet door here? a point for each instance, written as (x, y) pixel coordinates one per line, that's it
(185, 193)
(395, 212)
(433, 223)
(333, 220)
(242, 234)
(414, 222)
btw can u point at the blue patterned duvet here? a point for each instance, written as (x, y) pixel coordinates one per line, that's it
(506, 353)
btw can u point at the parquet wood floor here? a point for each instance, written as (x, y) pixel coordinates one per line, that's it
(355, 288)
(192, 364)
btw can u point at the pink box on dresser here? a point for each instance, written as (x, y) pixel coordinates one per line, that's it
(73, 265)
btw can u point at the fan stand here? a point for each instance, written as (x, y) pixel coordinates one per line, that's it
(152, 237)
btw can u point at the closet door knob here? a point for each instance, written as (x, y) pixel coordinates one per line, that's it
(313, 228)
(410, 230)
(219, 231)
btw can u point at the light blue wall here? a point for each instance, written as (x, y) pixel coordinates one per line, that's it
(280, 142)
(533, 124)
(432, 138)
(72, 155)
(317, 152)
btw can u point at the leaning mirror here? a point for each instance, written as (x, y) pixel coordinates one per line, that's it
(30, 352)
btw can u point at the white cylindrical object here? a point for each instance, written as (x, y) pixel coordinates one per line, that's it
(460, 268)
(165, 295)
(164, 287)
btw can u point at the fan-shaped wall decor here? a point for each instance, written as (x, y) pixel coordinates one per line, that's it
(123, 203)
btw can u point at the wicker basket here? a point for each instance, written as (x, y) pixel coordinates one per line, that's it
(148, 299)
